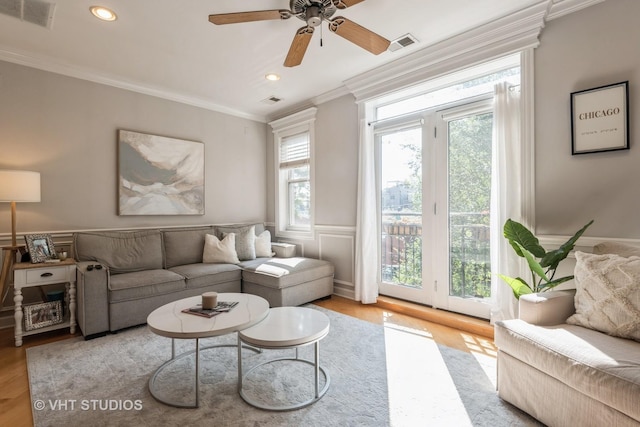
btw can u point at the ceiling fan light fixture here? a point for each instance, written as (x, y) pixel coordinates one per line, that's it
(313, 16)
(103, 13)
(272, 77)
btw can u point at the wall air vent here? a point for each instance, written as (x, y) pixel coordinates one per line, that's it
(35, 11)
(402, 42)
(271, 100)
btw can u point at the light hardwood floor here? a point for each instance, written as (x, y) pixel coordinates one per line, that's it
(470, 335)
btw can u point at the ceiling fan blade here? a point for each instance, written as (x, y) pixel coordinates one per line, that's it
(298, 47)
(256, 15)
(359, 35)
(343, 4)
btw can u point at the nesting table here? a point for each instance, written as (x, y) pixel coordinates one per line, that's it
(169, 321)
(285, 328)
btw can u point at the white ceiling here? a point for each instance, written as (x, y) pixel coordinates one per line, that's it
(168, 47)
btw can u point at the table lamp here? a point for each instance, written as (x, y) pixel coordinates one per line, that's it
(18, 186)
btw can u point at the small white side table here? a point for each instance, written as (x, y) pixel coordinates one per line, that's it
(26, 275)
(169, 321)
(286, 327)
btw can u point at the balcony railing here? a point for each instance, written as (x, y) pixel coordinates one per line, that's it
(469, 256)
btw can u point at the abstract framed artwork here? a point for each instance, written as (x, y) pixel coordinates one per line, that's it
(600, 119)
(158, 175)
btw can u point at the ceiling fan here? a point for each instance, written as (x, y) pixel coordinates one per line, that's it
(313, 12)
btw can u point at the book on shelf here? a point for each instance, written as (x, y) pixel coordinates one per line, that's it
(221, 307)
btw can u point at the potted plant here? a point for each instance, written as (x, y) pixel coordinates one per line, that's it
(542, 264)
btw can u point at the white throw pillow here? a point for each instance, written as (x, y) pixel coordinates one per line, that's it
(220, 251)
(245, 242)
(608, 294)
(263, 245)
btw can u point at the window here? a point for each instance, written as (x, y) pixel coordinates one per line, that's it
(293, 139)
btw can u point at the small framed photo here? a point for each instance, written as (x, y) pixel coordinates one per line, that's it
(40, 315)
(40, 247)
(600, 119)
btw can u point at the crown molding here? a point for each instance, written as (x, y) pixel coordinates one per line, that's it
(504, 36)
(296, 119)
(57, 67)
(564, 7)
(331, 95)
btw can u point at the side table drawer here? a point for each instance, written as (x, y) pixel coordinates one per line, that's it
(43, 275)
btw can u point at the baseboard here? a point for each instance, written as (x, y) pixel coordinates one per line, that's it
(458, 321)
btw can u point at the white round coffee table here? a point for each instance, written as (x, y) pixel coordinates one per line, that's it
(286, 327)
(169, 321)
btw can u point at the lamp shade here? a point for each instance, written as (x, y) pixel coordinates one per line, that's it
(19, 186)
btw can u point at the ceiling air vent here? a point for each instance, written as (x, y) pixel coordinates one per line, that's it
(402, 42)
(271, 100)
(35, 11)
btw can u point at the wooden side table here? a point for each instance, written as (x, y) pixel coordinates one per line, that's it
(27, 275)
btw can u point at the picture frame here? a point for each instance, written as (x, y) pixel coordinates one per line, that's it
(158, 175)
(600, 119)
(38, 316)
(40, 247)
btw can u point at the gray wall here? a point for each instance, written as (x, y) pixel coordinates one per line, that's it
(590, 48)
(336, 178)
(66, 129)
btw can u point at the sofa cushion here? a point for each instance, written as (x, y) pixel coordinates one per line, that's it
(121, 251)
(200, 275)
(184, 246)
(600, 366)
(280, 273)
(144, 284)
(220, 251)
(245, 241)
(608, 294)
(263, 245)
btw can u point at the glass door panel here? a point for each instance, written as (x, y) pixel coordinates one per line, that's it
(469, 201)
(400, 171)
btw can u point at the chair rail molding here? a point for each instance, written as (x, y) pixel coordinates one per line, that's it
(583, 243)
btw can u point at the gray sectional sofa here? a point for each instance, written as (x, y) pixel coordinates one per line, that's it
(124, 276)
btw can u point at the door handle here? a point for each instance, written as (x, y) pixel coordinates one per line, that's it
(46, 275)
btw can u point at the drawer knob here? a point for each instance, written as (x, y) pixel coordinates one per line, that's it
(46, 275)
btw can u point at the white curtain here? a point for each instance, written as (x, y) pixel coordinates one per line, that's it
(506, 196)
(366, 274)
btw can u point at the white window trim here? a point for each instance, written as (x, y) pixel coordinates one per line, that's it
(303, 121)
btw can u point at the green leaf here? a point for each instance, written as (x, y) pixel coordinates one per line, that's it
(518, 285)
(518, 234)
(552, 284)
(553, 258)
(533, 264)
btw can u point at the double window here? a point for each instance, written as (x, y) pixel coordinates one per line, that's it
(293, 137)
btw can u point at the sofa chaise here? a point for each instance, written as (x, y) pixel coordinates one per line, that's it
(124, 276)
(573, 357)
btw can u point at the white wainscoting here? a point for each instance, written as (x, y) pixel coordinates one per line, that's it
(335, 244)
(339, 249)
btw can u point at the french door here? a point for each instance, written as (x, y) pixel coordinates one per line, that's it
(434, 177)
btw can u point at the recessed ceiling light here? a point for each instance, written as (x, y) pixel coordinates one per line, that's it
(272, 77)
(103, 13)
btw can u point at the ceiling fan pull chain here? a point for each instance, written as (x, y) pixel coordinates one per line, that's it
(320, 35)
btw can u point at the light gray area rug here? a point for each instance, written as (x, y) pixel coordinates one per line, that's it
(380, 376)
